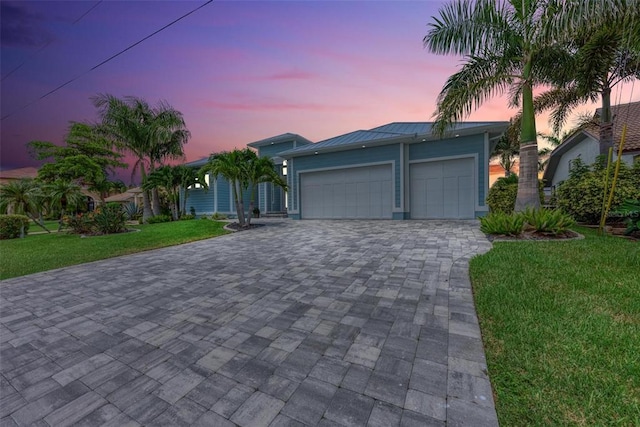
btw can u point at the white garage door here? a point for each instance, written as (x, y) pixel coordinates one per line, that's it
(443, 189)
(362, 192)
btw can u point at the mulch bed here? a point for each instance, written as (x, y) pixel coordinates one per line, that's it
(535, 236)
(234, 226)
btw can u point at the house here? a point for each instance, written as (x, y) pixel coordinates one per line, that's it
(132, 195)
(7, 176)
(395, 171)
(585, 144)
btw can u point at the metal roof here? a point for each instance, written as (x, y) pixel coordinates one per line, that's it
(285, 137)
(388, 133)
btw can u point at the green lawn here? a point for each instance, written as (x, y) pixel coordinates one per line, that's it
(561, 327)
(43, 252)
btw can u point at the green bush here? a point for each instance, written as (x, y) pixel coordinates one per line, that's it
(218, 216)
(503, 192)
(13, 226)
(187, 217)
(630, 211)
(502, 224)
(548, 221)
(582, 193)
(80, 223)
(133, 211)
(158, 219)
(110, 219)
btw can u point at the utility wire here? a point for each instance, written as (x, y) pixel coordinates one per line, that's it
(48, 43)
(105, 61)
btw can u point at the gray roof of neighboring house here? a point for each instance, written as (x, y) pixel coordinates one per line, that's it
(390, 133)
(285, 137)
(198, 163)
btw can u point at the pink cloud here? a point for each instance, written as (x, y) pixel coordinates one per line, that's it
(291, 75)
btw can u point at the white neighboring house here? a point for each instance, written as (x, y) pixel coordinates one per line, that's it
(585, 144)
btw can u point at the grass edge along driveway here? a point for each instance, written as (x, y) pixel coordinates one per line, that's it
(561, 329)
(42, 252)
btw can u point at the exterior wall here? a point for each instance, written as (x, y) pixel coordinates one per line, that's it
(587, 150)
(475, 146)
(218, 198)
(270, 198)
(341, 159)
(274, 149)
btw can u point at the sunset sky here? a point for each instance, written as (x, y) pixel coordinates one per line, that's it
(239, 71)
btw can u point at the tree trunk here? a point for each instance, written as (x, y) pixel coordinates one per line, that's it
(155, 200)
(237, 197)
(251, 204)
(146, 207)
(528, 194)
(606, 123)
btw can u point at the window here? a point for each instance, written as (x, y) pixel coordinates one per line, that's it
(197, 184)
(284, 168)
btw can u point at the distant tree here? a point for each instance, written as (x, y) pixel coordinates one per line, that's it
(188, 177)
(23, 197)
(87, 157)
(65, 195)
(151, 134)
(507, 149)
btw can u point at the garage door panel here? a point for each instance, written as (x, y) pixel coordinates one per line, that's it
(442, 189)
(362, 192)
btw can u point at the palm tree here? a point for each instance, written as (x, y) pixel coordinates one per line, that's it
(23, 197)
(65, 195)
(601, 58)
(167, 178)
(509, 47)
(187, 178)
(259, 170)
(231, 166)
(150, 134)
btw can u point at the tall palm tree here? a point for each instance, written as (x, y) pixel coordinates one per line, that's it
(150, 134)
(259, 170)
(509, 47)
(231, 166)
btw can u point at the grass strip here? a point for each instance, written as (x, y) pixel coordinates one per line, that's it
(561, 328)
(43, 252)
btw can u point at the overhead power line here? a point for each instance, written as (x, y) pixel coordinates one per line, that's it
(105, 61)
(48, 43)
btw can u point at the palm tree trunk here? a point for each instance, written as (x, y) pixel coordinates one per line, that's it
(146, 204)
(606, 123)
(155, 197)
(237, 194)
(528, 193)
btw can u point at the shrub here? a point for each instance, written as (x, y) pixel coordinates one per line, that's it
(13, 226)
(132, 211)
(502, 224)
(204, 217)
(630, 211)
(187, 217)
(80, 224)
(110, 219)
(503, 192)
(582, 193)
(548, 221)
(218, 216)
(158, 219)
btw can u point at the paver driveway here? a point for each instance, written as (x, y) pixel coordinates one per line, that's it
(295, 323)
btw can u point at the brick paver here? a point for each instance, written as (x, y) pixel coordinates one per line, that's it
(348, 323)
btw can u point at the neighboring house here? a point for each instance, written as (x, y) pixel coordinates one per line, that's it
(585, 144)
(132, 195)
(8, 176)
(395, 171)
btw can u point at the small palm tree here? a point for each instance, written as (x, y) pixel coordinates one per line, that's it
(231, 166)
(65, 195)
(260, 170)
(187, 177)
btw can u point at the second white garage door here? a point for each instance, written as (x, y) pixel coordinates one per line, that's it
(443, 189)
(362, 192)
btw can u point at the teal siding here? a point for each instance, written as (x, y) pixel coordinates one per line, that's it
(201, 200)
(363, 156)
(473, 144)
